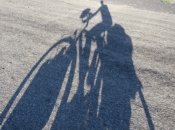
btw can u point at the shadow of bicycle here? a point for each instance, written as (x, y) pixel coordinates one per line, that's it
(95, 69)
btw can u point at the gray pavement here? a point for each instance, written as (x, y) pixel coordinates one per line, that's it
(153, 5)
(117, 73)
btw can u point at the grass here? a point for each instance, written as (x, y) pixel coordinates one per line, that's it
(167, 1)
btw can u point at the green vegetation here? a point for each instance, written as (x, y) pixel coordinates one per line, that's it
(167, 1)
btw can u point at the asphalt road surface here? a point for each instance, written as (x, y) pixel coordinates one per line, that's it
(82, 64)
(153, 5)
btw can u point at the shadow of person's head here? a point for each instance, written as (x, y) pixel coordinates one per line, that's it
(101, 2)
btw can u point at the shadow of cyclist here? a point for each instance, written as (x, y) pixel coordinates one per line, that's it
(110, 77)
(106, 83)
